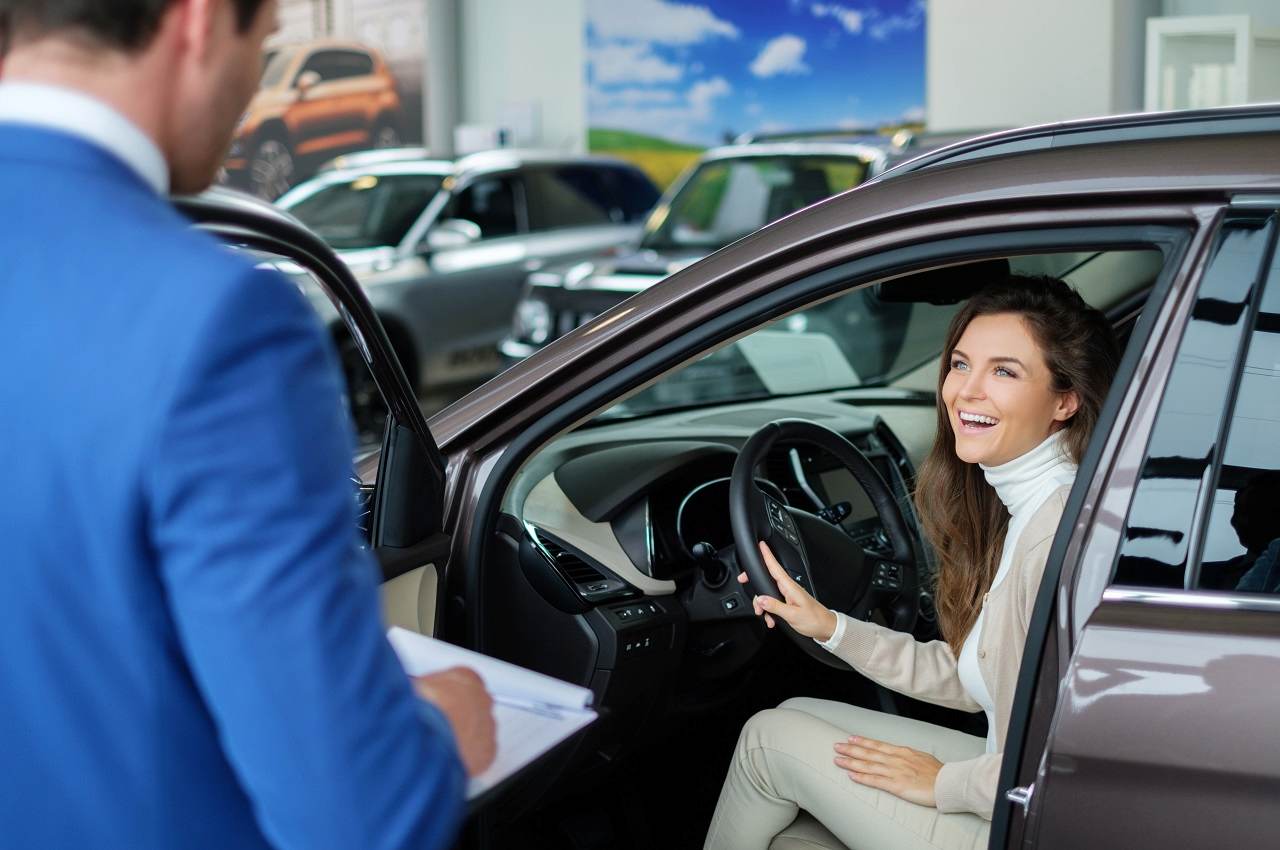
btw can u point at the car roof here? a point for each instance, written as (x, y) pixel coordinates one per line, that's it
(505, 159)
(441, 168)
(359, 159)
(1111, 129)
(859, 150)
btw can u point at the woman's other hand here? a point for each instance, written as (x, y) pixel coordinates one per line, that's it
(901, 771)
(801, 611)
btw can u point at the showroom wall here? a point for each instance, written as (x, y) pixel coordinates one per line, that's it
(1072, 60)
(1014, 62)
(523, 70)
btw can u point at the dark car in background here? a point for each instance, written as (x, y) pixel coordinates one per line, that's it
(731, 191)
(442, 248)
(315, 101)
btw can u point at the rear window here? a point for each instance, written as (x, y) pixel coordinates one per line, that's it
(369, 211)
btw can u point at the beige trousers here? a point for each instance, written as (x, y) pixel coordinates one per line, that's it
(784, 763)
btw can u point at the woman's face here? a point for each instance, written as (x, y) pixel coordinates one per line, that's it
(998, 392)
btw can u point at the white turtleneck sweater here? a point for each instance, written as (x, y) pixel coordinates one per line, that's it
(1022, 485)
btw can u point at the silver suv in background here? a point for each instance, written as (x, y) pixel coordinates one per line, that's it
(443, 248)
(730, 192)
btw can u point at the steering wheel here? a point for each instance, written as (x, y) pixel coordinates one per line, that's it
(821, 557)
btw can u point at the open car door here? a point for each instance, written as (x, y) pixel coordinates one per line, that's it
(401, 487)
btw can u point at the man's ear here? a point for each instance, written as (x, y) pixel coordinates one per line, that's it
(198, 21)
(1068, 404)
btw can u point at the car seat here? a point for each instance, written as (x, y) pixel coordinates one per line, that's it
(805, 833)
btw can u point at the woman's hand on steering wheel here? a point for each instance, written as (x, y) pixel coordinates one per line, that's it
(797, 608)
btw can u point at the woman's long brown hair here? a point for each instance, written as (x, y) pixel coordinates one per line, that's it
(960, 512)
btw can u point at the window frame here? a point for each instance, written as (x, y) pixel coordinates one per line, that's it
(1138, 443)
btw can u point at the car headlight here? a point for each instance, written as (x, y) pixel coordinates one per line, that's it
(533, 321)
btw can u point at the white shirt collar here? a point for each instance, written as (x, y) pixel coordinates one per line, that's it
(79, 115)
(1022, 481)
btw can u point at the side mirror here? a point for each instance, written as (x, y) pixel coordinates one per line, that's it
(306, 82)
(452, 233)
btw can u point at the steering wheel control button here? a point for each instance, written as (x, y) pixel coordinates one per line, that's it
(887, 576)
(730, 603)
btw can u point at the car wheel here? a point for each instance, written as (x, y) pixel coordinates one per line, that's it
(271, 169)
(368, 410)
(386, 136)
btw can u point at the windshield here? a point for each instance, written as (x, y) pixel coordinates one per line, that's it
(852, 341)
(860, 339)
(726, 199)
(369, 211)
(274, 64)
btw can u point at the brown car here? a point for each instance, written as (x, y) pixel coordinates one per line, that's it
(316, 100)
(572, 515)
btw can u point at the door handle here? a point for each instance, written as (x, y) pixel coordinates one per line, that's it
(1021, 796)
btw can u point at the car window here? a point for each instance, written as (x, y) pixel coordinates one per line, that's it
(1158, 549)
(275, 64)
(568, 196)
(368, 211)
(338, 64)
(1242, 541)
(489, 202)
(726, 199)
(864, 338)
(633, 192)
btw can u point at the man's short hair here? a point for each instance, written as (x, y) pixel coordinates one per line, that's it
(124, 24)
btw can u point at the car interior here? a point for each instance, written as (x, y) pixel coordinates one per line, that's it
(614, 561)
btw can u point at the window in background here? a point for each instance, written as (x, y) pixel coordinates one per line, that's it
(491, 204)
(568, 196)
(367, 212)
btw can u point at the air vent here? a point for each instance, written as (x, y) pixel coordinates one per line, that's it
(588, 582)
(570, 565)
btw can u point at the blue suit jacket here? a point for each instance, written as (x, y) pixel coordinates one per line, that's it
(190, 647)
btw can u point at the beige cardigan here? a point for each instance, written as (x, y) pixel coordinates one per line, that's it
(927, 671)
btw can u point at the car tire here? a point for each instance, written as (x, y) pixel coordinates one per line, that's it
(271, 168)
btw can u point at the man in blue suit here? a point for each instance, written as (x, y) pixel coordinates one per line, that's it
(190, 648)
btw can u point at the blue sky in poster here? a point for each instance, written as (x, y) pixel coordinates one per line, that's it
(692, 71)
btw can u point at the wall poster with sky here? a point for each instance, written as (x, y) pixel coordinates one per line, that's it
(668, 79)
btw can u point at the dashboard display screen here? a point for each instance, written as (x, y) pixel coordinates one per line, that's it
(841, 486)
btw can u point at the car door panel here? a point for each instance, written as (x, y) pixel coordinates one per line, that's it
(1158, 721)
(1164, 735)
(410, 600)
(401, 497)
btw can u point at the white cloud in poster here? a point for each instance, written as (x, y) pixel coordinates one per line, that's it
(850, 19)
(754, 109)
(669, 113)
(630, 63)
(704, 92)
(914, 114)
(852, 124)
(782, 55)
(880, 28)
(656, 21)
(630, 97)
